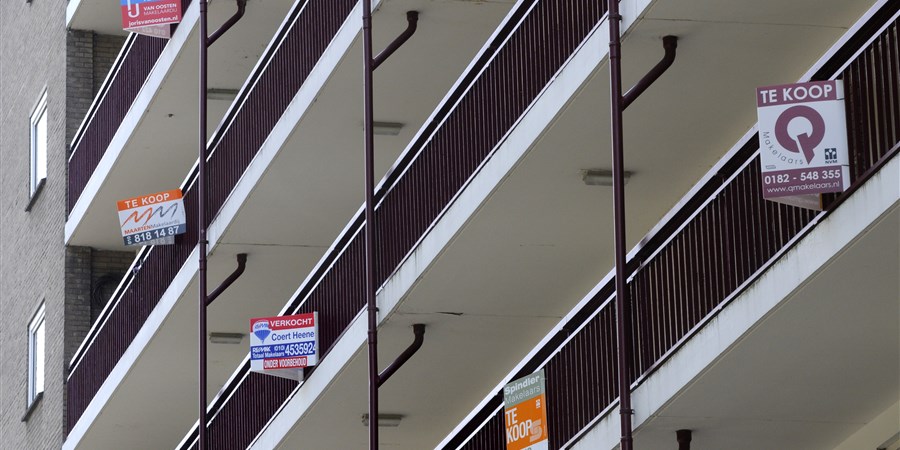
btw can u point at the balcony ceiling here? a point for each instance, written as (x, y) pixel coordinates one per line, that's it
(538, 244)
(163, 141)
(813, 372)
(315, 181)
(543, 239)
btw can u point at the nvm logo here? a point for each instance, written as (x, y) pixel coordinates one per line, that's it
(261, 329)
(830, 154)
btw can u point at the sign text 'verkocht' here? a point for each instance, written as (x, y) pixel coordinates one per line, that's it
(284, 345)
(525, 413)
(803, 141)
(149, 219)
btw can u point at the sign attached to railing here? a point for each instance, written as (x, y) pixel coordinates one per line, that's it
(150, 17)
(525, 413)
(283, 346)
(803, 142)
(152, 219)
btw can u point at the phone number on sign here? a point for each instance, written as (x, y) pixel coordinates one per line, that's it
(811, 175)
(153, 234)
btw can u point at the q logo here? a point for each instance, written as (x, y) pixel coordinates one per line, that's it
(261, 329)
(804, 142)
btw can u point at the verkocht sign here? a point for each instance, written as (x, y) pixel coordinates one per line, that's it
(803, 140)
(525, 413)
(137, 14)
(284, 345)
(153, 217)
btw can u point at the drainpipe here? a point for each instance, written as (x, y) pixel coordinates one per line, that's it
(683, 437)
(622, 329)
(201, 223)
(371, 307)
(202, 243)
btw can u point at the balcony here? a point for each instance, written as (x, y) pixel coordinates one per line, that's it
(140, 134)
(489, 199)
(742, 314)
(290, 140)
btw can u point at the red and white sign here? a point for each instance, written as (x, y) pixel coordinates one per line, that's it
(803, 141)
(149, 16)
(152, 219)
(283, 346)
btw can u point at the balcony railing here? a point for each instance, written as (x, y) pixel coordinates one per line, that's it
(716, 245)
(121, 87)
(283, 69)
(524, 54)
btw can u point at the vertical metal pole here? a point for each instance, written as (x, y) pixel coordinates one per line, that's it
(371, 307)
(201, 222)
(622, 329)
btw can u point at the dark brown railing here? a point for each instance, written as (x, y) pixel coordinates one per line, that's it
(717, 244)
(127, 77)
(526, 52)
(284, 69)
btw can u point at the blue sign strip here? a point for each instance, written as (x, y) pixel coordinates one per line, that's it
(306, 348)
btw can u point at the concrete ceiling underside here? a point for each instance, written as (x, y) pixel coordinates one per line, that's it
(533, 250)
(314, 178)
(163, 145)
(810, 374)
(543, 239)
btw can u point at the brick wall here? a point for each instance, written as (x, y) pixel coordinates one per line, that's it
(89, 57)
(32, 253)
(91, 278)
(37, 53)
(105, 48)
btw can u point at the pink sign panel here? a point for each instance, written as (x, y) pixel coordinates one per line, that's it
(144, 13)
(803, 141)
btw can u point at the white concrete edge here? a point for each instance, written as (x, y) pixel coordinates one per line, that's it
(102, 93)
(150, 328)
(871, 203)
(505, 157)
(299, 106)
(134, 116)
(846, 37)
(304, 98)
(107, 309)
(713, 171)
(412, 146)
(71, 9)
(309, 393)
(597, 43)
(249, 82)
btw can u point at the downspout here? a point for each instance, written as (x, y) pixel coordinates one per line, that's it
(201, 237)
(202, 242)
(371, 307)
(623, 331)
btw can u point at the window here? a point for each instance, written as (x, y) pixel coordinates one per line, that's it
(36, 339)
(38, 139)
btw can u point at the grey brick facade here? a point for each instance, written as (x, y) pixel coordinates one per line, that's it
(38, 53)
(32, 252)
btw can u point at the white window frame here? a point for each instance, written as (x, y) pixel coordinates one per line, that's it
(37, 351)
(38, 147)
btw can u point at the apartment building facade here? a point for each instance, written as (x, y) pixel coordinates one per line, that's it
(488, 231)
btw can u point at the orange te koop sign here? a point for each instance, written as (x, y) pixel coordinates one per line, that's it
(525, 413)
(148, 218)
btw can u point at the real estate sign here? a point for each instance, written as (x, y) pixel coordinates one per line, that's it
(283, 346)
(152, 219)
(803, 141)
(150, 17)
(525, 413)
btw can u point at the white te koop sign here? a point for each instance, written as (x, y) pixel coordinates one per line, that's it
(803, 141)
